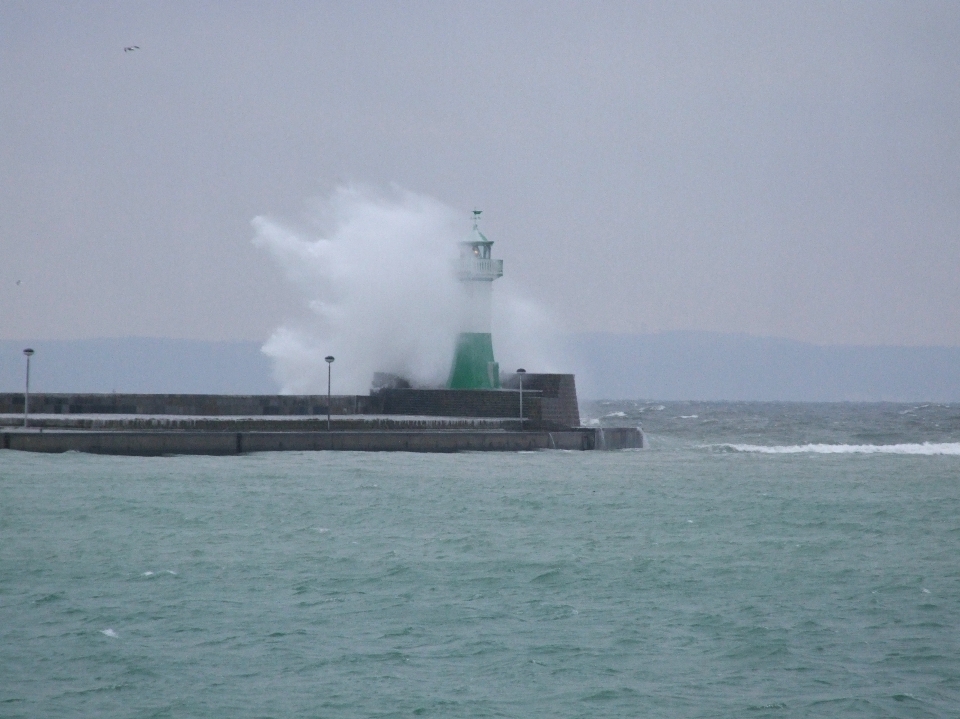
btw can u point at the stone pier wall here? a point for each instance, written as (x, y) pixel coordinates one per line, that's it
(549, 402)
(460, 403)
(559, 406)
(199, 405)
(224, 443)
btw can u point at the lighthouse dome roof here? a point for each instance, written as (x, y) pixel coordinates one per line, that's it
(476, 237)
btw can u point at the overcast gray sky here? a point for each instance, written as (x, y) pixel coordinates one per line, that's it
(787, 169)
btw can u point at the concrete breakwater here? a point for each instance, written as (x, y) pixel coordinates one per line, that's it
(155, 443)
(388, 419)
(549, 402)
(290, 423)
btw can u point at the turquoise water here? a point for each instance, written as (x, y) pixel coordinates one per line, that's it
(736, 568)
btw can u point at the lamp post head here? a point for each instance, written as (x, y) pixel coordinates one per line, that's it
(28, 352)
(521, 371)
(328, 359)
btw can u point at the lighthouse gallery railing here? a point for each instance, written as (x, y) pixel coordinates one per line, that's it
(478, 268)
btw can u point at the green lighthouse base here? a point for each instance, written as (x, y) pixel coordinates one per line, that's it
(473, 364)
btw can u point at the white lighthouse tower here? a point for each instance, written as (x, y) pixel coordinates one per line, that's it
(473, 364)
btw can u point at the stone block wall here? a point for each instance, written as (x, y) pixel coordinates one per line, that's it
(458, 403)
(185, 404)
(549, 402)
(559, 396)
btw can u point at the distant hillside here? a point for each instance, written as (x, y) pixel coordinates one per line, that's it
(713, 366)
(137, 364)
(668, 366)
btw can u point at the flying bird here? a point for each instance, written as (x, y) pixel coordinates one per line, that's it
(131, 48)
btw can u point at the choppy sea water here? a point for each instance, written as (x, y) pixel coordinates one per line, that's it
(758, 560)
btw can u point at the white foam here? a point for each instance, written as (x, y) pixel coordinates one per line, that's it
(616, 414)
(927, 448)
(376, 269)
(148, 574)
(688, 416)
(109, 633)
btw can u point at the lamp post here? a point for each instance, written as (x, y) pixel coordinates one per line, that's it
(329, 361)
(520, 373)
(26, 394)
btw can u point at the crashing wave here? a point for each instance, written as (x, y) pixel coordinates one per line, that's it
(926, 448)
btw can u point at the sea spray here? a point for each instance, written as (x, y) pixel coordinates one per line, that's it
(525, 333)
(376, 268)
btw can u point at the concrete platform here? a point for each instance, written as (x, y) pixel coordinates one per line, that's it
(252, 423)
(177, 442)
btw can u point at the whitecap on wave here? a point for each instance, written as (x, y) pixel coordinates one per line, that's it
(926, 448)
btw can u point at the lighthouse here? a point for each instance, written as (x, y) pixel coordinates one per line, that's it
(473, 364)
